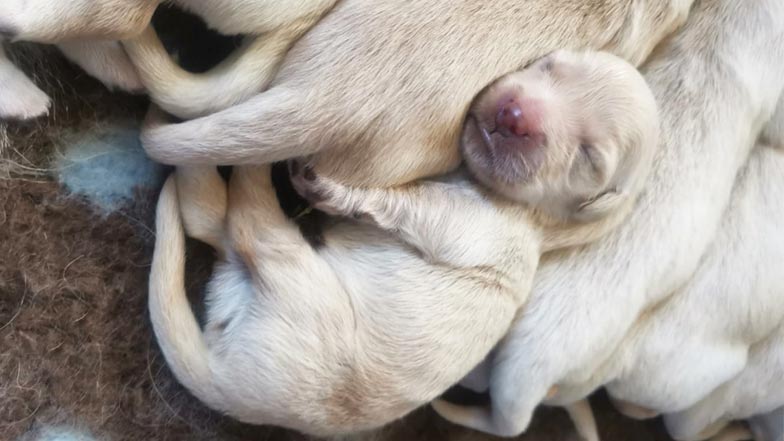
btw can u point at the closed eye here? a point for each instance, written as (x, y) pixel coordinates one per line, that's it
(588, 150)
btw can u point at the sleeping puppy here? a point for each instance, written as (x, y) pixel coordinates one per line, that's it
(273, 27)
(731, 302)
(717, 84)
(378, 91)
(569, 138)
(371, 325)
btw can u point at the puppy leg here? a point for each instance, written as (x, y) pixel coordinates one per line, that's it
(264, 129)
(582, 416)
(188, 95)
(424, 216)
(202, 195)
(19, 97)
(47, 21)
(271, 246)
(106, 61)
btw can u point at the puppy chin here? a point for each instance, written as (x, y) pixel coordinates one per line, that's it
(496, 162)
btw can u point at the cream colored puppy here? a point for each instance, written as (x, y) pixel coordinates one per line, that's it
(717, 83)
(570, 137)
(364, 329)
(733, 300)
(379, 90)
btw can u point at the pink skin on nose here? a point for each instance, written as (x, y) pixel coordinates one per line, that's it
(519, 121)
(512, 120)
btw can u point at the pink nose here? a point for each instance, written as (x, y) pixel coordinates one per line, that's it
(519, 122)
(510, 120)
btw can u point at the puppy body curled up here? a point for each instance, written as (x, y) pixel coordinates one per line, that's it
(378, 91)
(717, 83)
(371, 325)
(732, 302)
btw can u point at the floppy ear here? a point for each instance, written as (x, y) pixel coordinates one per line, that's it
(601, 206)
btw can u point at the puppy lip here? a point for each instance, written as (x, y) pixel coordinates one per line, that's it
(7, 31)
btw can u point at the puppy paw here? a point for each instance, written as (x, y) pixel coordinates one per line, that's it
(20, 98)
(325, 194)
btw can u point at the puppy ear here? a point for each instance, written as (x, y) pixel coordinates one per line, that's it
(601, 206)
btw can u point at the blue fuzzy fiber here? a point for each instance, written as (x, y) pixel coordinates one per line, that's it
(61, 434)
(106, 166)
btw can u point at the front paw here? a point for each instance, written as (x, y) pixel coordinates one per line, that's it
(325, 194)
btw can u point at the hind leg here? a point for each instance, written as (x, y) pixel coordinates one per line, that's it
(272, 247)
(19, 97)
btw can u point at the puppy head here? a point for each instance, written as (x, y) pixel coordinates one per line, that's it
(572, 135)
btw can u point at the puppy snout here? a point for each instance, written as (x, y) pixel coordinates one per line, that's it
(510, 121)
(520, 121)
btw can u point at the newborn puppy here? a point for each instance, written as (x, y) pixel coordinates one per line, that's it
(728, 57)
(379, 90)
(372, 325)
(732, 301)
(570, 138)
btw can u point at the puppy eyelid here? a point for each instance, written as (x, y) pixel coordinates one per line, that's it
(586, 149)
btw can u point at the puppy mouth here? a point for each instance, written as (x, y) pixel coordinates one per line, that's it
(497, 156)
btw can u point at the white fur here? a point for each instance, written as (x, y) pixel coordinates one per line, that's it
(19, 97)
(104, 60)
(717, 83)
(758, 390)
(700, 338)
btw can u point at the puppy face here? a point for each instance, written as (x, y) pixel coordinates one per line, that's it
(571, 135)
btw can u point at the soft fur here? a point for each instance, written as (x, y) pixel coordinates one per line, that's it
(379, 90)
(732, 301)
(758, 390)
(272, 26)
(717, 84)
(382, 327)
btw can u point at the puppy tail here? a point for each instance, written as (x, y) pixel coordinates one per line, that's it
(190, 95)
(179, 335)
(272, 126)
